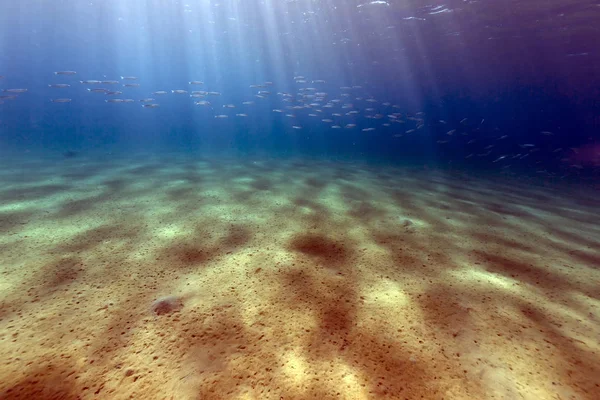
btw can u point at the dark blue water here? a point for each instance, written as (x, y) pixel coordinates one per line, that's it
(482, 85)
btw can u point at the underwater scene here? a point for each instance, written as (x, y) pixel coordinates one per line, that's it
(299, 199)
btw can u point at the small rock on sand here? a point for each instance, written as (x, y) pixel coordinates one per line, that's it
(406, 223)
(167, 305)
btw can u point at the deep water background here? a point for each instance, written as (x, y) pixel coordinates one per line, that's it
(524, 68)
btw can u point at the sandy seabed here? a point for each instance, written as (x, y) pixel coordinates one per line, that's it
(182, 278)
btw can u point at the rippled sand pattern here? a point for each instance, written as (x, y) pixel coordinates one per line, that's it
(175, 278)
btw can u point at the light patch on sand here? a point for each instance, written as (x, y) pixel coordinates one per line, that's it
(386, 293)
(168, 232)
(296, 367)
(471, 276)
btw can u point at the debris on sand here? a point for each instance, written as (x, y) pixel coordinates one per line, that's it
(167, 305)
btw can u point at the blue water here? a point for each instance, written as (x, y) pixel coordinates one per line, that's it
(514, 74)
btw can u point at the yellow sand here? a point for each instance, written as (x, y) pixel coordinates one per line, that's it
(301, 279)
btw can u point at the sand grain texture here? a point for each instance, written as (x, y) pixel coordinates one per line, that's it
(289, 279)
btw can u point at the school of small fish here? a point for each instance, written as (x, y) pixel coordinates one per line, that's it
(310, 107)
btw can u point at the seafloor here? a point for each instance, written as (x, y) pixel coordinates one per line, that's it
(293, 279)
